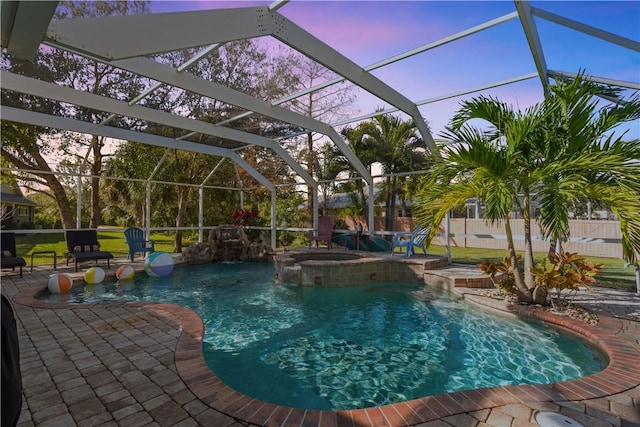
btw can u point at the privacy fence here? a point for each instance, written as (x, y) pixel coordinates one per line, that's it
(601, 238)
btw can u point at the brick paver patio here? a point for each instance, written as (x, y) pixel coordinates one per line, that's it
(139, 365)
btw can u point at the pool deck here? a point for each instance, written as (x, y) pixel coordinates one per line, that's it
(142, 365)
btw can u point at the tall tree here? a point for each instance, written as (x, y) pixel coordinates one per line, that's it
(125, 200)
(398, 148)
(31, 147)
(518, 131)
(585, 158)
(28, 147)
(185, 167)
(244, 66)
(337, 165)
(474, 164)
(557, 151)
(328, 105)
(553, 141)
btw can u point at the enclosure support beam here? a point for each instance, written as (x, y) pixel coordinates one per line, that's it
(147, 211)
(48, 90)
(531, 32)
(587, 29)
(371, 209)
(274, 230)
(195, 84)
(109, 39)
(200, 213)
(447, 233)
(39, 119)
(79, 203)
(23, 26)
(605, 81)
(296, 37)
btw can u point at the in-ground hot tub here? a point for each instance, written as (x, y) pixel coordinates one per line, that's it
(334, 268)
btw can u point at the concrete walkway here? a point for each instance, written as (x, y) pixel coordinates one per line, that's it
(139, 365)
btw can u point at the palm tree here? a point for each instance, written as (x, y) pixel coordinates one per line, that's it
(518, 131)
(365, 150)
(398, 148)
(583, 157)
(558, 151)
(474, 164)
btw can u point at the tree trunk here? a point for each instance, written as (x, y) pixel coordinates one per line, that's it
(60, 196)
(524, 294)
(310, 171)
(96, 167)
(141, 214)
(552, 249)
(183, 196)
(365, 205)
(555, 248)
(39, 163)
(94, 217)
(528, 247)
(387, 206)
(392, 208)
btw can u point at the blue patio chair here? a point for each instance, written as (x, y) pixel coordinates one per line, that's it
(10, 258)
(137, 242)
(410, 240)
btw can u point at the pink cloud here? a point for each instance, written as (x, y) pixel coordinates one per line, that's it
(371, 30)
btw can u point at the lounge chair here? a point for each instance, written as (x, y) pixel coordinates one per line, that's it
(83, 245)
(137, 243)
(10, 258)
(410, 240)
(324, 233)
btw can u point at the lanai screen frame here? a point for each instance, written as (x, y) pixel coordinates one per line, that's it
(27, 24)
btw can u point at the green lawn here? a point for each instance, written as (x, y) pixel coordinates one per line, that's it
(111, 241)
(613, 275)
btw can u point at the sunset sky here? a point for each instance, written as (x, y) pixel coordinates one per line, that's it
(370, 31)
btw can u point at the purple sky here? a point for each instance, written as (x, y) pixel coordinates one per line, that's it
(369, 31)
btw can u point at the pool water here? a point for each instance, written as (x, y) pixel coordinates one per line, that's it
(354, 347)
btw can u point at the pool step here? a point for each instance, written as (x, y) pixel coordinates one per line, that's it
(457, 276)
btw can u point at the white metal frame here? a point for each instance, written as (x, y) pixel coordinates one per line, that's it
(115, 41)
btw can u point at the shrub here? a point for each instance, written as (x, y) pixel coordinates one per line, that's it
(501, 274)
(565, 272)
(246, 218)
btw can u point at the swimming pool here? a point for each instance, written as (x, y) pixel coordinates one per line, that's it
(355, 347)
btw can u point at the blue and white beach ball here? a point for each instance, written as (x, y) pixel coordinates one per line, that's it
(94, 275)
(59, 283)
(158, 264)
(125, 272)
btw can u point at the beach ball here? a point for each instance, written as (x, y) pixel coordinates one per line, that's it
(158, 264)
(94, 275)
(125, 272)
(59, 283)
